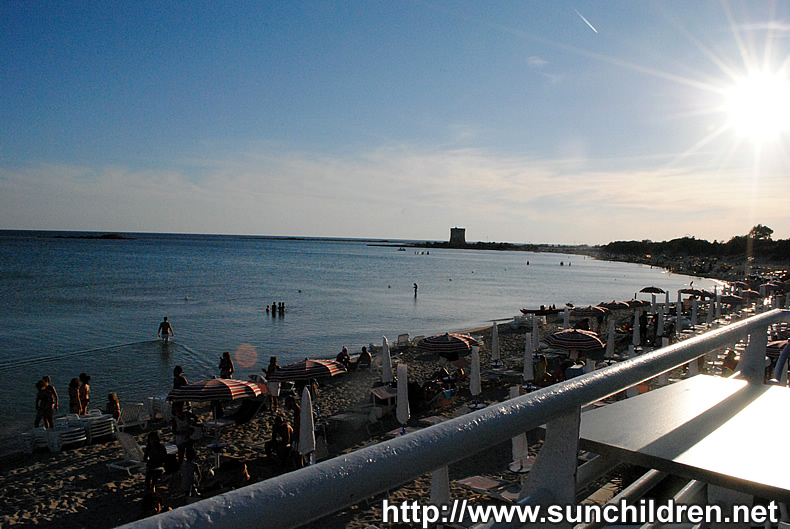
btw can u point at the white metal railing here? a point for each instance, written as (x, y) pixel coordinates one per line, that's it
(305, 495)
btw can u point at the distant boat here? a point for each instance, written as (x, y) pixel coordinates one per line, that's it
(543, 311)
(401, 249)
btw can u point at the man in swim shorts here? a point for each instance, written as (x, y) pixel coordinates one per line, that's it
(165, 330)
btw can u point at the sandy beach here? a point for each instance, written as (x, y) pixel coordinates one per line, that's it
(75, 488)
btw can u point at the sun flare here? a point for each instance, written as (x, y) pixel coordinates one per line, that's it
(759, 106)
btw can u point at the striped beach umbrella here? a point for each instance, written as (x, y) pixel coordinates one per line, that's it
(614, 305)
(575, 340)
(448, 345)
(213, 389)
(307, 369)
(731, 299)
(589, 312)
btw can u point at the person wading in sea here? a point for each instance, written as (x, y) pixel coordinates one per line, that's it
(165, 330)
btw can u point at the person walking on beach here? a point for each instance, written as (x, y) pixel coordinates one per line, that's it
(74, 396)
(85, 392)
(44, 405)
(165, 330)
(273, 385)
(226, 368)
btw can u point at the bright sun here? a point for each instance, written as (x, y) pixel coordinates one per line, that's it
(759, 106)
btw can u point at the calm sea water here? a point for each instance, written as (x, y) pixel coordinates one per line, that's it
(74, 305)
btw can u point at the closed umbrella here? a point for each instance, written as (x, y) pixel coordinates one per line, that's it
(610, 341)
(566, 313)
(475, 386)
(535, 335)
(495, 353)
(307, 428)
(308, 369)
(402, 405)
(529, 369)
(386, 362)
(636, 339)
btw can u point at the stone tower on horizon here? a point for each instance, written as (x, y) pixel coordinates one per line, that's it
(458, 237)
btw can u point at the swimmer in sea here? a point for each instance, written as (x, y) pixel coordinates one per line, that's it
(165, 330)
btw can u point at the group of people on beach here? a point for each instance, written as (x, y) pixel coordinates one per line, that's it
(47, 400)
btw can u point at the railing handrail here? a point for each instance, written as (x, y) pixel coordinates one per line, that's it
(307, 494)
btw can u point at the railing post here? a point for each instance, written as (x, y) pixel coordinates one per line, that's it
(752, 364)
(554, 470)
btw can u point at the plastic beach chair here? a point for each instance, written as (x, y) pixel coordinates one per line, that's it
(133, 455)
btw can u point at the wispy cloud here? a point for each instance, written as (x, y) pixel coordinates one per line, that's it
(397, 191)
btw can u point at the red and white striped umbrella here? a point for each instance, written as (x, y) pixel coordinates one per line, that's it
(213, 389)
(448, 344)
(575, 339)
(589, 312)
(614, 305)
(307, 369)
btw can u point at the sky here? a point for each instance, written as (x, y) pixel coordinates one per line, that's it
(522, 121)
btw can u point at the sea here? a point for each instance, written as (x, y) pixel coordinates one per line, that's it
(71, 303)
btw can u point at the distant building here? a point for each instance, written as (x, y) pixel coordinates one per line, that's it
(457, 237)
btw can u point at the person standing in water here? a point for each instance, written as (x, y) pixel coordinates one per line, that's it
(415, 290)
(165, 330)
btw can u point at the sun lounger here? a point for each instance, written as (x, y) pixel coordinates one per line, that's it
(131, 415)
(133, 457)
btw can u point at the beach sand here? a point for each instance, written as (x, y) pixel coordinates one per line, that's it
(75, 489)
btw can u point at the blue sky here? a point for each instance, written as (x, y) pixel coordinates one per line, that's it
(530, 121)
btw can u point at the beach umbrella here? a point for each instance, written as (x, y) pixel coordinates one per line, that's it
(693, 292)
(475, 386)
(653, 290)
(495, 353)
(731, 299)
(306, 427)
(749, 294)
(529, 369)
(575, 340)
(739, 284)
(402, 404)
(590, 311)
(614, 305)
(448, 345)
(637, 303)
(610, 341)
(213, 389)
(386, 362)
(307, 369)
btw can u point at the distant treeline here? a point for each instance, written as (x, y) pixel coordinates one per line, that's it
(757, 244)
